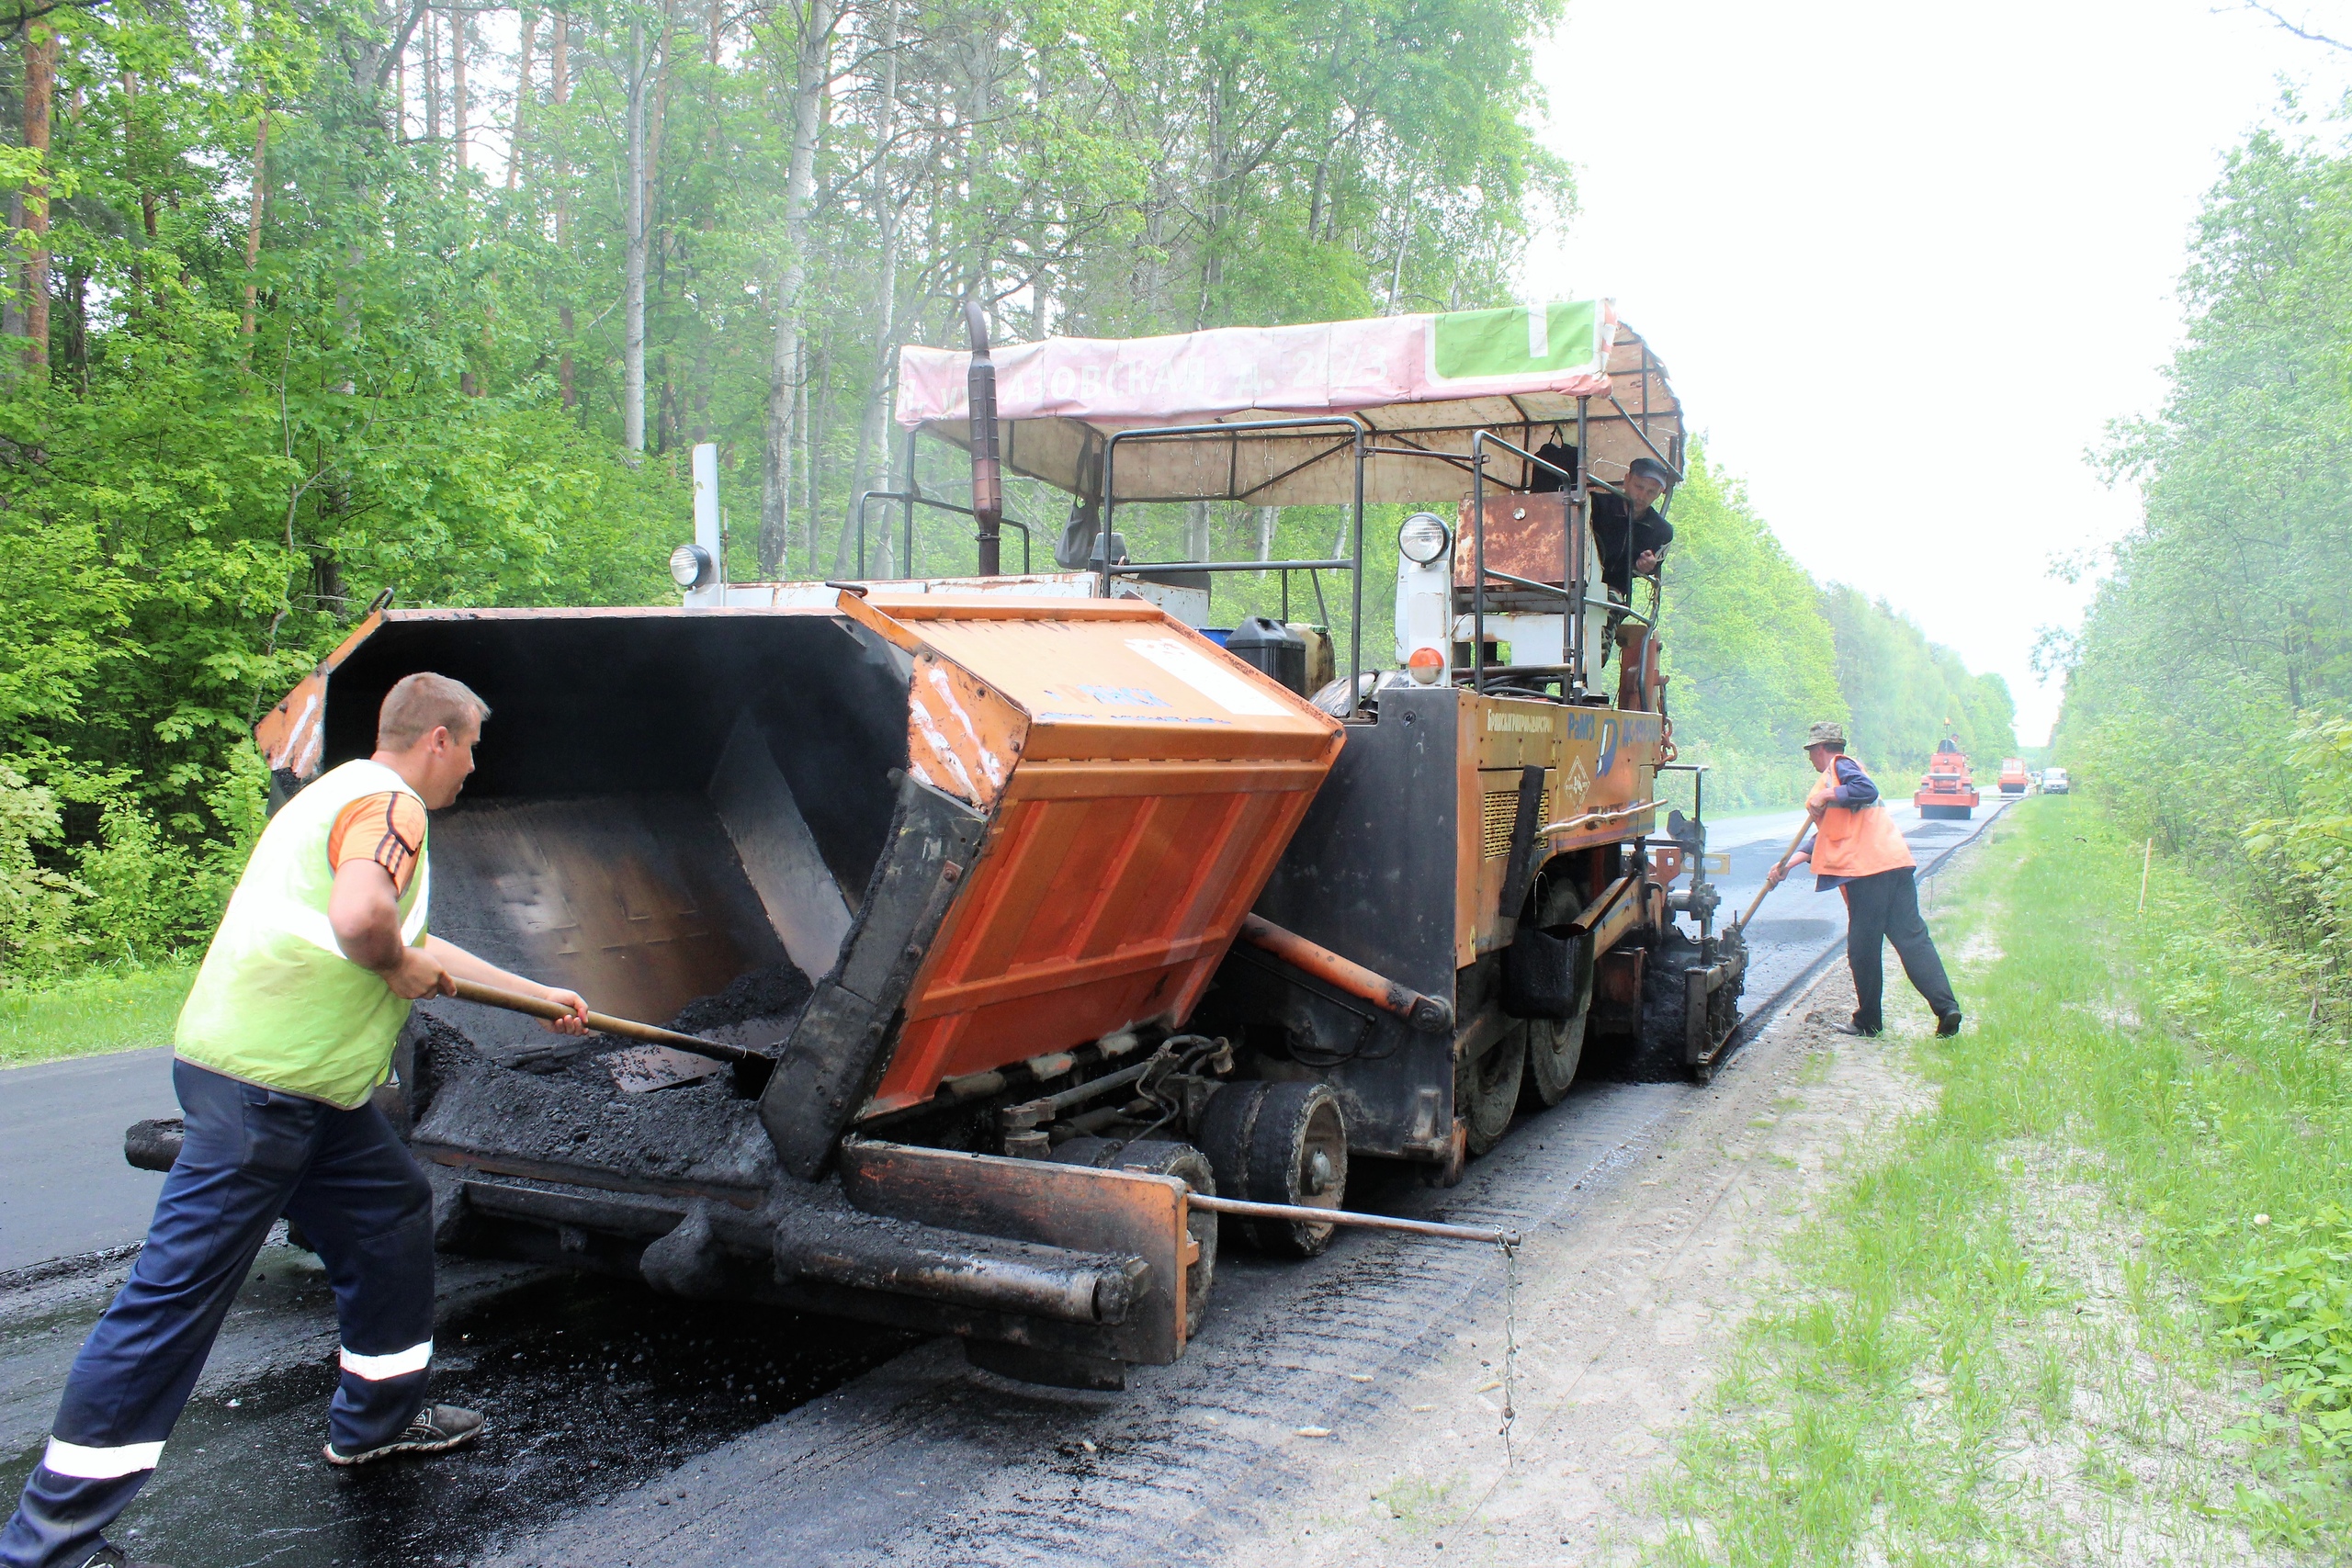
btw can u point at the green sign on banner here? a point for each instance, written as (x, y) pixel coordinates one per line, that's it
(1518, 340)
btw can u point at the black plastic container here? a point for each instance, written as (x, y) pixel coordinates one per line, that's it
(1271, 646)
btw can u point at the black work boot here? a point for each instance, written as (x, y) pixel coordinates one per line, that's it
(435, 1430)
(1854, 1025)
(1947, 1025)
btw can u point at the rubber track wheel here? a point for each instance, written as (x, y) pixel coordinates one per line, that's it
(1226, 1127)
(1555, 1046)
(1296, 1123)
(1162, 1156)
(1485, 1090)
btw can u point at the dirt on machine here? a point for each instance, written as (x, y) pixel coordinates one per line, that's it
(1011, 942)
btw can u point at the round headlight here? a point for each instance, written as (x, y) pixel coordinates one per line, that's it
(1424, 537)
(690, 566)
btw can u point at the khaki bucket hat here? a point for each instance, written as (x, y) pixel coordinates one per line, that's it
(1824, 734)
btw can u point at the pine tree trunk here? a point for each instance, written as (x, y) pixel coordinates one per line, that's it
(522, 97)
(253, 219)
(40, 78)
(457, 31)
(432, 83)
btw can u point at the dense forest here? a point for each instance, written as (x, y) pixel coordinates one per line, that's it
(1757, 651)
(308, 302)
(2209, 695)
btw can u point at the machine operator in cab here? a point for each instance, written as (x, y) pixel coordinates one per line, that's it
(286, 1035)
(1856, 849)
(1627, 530)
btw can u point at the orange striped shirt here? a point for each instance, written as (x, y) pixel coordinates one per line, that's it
(388, 828)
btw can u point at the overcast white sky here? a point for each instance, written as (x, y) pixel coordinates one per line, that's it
(1905, 261)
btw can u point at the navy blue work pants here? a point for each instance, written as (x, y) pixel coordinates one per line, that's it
(1882, 907)
(251, 1155)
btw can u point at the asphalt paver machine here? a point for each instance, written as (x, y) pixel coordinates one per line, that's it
(1010, 920)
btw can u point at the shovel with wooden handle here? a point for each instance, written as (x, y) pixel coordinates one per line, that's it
(1740, 925)
(653, 1064)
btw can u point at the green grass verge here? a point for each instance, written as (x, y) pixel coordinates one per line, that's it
(93, 1014)
(2092, 1304)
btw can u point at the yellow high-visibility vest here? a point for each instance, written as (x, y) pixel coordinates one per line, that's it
(276, 1003)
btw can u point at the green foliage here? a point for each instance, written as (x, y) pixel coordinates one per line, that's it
(103, 1010)
(1750, 657)
(2291, 1306)
(2209, 690)
(36, 900)
(430, 395)
(1758, 653)
(1908, 694)
(2136, 1101)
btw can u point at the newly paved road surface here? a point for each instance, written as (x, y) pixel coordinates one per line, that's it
(629, 1428)
(63, 1186)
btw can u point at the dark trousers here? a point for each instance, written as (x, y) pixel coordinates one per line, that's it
(251, 1155)
(1881, 907)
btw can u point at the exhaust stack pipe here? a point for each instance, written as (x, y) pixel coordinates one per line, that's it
(987, 476)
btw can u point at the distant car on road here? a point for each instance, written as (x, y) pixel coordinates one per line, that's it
(2053, 782)
(2014, 778)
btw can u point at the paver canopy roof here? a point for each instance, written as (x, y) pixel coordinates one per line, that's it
(1423, 384)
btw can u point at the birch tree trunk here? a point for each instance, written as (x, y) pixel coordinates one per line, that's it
(558, 95)
(809, 72)
(640, 77)
(886, 286)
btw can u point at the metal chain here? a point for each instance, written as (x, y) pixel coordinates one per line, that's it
(1510, 1344)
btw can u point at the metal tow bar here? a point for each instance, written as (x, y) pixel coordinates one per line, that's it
(1503, 1241)
(1299, 1213)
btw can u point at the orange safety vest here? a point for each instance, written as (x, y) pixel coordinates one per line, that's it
(1854, 841)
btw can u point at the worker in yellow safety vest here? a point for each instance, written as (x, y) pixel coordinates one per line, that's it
(286, 1035)
(1858, 850)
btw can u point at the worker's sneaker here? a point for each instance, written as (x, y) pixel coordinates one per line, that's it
(435, 1430)
(113, 1557)
(1947, 1025)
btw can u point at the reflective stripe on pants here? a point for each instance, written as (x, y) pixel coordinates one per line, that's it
(250, 1155)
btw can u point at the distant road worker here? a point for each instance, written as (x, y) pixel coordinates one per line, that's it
(286, 1034)
(1857, 850)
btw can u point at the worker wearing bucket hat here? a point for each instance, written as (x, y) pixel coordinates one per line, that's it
(286, 1032)
(1856, 849)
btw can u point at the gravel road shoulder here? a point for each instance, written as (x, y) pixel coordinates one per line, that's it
(1623, 1322)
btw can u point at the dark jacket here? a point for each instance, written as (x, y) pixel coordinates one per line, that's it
(1620, 538)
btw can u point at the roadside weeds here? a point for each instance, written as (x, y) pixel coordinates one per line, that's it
(92, 1015)
(2000, 1339)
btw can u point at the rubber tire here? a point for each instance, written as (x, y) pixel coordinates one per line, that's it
(1162, 1156)
(1485, 1089)
(1555, 1046)
(1261, 1138)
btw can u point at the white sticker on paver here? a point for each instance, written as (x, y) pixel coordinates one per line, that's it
(1189, 665)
